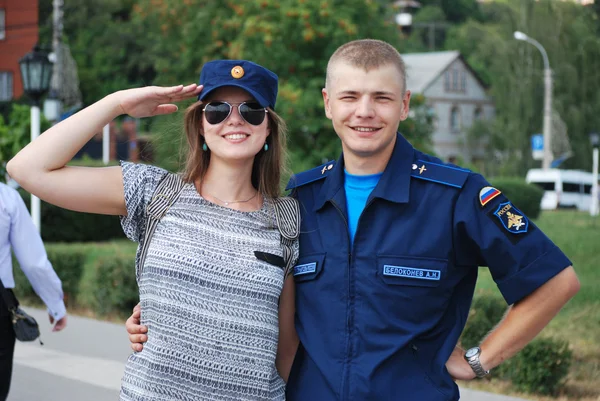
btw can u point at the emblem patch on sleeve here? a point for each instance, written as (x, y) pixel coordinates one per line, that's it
(512, 219)
(487, 194)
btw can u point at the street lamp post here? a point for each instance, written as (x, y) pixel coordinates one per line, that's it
(547, 128)
(595, 141)
(36, 71)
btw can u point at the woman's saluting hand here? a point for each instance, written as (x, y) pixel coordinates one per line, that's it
(154, 100)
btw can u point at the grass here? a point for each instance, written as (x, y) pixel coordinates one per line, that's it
(578, 236)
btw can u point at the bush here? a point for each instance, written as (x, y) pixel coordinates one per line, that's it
(541, 367)
(68, 262)
(526, 197)
(113, 285)
(486, 312)
(96, 276)
(62, 225)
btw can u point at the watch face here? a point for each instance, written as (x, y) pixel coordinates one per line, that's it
(471, 352)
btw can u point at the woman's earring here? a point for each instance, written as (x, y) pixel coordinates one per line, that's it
(204, 147)
(266, 147)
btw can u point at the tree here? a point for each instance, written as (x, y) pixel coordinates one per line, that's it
(294, 38)
(15, 133)
(514, 69)
(108, 49)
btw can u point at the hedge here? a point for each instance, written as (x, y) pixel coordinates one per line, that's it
(486, 312)
(541, 367)
(526, 197)
(99, 277)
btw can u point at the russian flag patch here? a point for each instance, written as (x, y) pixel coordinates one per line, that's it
(487, 194)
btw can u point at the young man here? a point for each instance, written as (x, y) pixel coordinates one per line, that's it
(390, 245)
(18, 233)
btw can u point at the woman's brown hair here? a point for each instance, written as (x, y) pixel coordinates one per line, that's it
(268, 165)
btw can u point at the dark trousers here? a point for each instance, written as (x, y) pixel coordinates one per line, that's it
(7, 348)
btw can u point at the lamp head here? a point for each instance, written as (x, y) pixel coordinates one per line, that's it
(520, 35)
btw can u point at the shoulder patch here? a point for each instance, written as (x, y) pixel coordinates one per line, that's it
(512, 219)
(309, 176)
(487, 194)
(440, 173)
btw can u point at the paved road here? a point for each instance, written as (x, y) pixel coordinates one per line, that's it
(85, 362)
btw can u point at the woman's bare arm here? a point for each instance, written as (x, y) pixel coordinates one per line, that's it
(41, 168)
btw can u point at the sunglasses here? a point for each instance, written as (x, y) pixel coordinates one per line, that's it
(217, 112)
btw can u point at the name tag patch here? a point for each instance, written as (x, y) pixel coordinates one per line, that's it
(306, 268)
(411, 272)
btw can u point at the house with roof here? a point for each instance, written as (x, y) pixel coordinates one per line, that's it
(455, 95)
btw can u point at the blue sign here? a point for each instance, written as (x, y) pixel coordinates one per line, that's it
(537, 146)
(537, 142)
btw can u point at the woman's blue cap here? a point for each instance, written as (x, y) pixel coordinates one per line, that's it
(253, 78)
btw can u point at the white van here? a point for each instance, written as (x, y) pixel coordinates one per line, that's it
(563, 188)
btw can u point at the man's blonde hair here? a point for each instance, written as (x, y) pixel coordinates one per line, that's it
(367, 54)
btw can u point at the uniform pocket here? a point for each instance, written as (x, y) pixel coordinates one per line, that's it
(411, 271)
(309, 267)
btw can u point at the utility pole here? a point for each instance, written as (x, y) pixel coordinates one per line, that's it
(547, 124)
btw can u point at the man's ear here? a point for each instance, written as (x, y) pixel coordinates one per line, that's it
(326, 102)
(405, 105)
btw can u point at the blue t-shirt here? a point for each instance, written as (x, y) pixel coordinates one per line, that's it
(358, 188)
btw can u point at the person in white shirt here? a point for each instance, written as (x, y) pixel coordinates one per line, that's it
(17, 232)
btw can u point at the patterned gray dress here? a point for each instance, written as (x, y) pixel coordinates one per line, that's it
(210, 305)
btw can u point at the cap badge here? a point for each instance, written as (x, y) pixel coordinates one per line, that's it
(237, 72)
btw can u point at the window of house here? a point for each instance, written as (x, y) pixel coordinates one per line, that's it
(455, 80)
(455, 119)
(478, 114)
(447, 81)
(6, 86)
(2, 24)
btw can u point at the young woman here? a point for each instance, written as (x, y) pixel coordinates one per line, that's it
(215, 310)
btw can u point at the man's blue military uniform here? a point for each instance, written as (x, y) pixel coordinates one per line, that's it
(379, 318)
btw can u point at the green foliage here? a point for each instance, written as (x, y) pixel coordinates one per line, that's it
(99, 277)
(294, 39)
(16, 133)
(67, 261)
(486, 312)
(113, 285)
(526, 197)
(108, 49)
(418, 127)
(541, 367)
(514, 71)
(62, 225)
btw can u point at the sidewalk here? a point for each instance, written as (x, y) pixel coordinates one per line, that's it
(86, 361)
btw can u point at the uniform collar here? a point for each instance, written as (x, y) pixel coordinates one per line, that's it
(394, 184)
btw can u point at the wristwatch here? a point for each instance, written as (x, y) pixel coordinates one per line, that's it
(472, 358)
